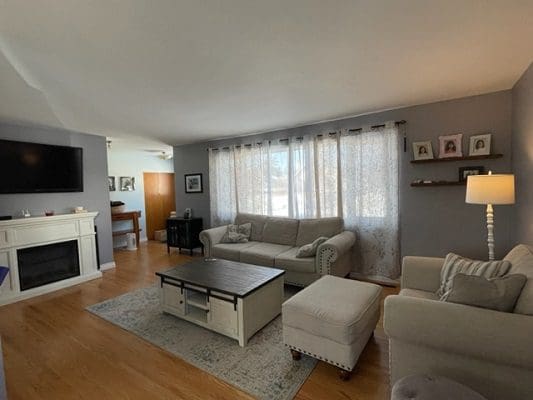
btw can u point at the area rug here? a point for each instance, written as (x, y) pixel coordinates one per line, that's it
(263, 368)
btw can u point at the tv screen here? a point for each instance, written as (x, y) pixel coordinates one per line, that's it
(40, 168)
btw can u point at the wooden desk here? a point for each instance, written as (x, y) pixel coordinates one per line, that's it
(132, 216)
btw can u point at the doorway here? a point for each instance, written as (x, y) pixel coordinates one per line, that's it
(159, 200)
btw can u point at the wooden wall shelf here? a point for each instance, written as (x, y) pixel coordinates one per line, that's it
(439, 183)
(466, 158)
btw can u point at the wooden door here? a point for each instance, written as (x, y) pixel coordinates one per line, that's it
(159, 200)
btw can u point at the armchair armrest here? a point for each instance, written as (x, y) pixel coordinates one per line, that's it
(499, 337)
(333, 249)
(422, 273)
(210, 237)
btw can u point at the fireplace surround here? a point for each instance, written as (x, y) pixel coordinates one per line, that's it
(44, 254)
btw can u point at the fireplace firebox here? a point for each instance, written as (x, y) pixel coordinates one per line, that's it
(41, 265)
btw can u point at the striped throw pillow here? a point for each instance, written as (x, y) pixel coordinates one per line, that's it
(454, 264)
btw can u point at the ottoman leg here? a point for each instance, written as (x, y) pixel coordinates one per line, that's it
(344, 375)
(296, 355)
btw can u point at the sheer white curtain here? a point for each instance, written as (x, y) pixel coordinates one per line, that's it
(352, 175)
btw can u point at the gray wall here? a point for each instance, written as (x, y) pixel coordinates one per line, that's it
(95, 196)
(523, 157)
(434, 220)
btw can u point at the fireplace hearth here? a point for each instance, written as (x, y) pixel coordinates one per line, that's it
(41, 265)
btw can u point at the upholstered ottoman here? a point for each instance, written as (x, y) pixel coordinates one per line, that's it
(332, 320)
(426, 387)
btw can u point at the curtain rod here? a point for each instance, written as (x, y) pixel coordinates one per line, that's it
(400, 122)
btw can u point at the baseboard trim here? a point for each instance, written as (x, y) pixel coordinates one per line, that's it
(380, 280)
(107, 265)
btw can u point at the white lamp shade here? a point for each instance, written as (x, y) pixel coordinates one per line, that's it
(490, 189)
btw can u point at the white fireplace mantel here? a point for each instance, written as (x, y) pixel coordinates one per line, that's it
(22, 233)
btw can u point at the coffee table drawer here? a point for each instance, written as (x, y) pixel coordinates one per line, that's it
(172, 299)
(223, 316)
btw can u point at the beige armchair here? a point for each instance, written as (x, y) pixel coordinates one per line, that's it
(489, 351)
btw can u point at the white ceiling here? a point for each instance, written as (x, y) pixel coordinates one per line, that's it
(183, 71)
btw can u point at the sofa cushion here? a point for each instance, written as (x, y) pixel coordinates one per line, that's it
(454, 264)
(237, 233)
(419, 294)
(426, 387)
(289, 262)
(230, 251)
(309, 250)
(498, 294)
(280, 231)
(311, 229)
(521, 259)
(257, 221)
(335, 308)
(262, 253)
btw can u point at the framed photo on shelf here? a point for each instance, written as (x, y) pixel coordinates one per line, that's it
(465, 172)
(480, 145)
(451, 146)
(193, 183)
(422, 150)
(127, 183)
(111, 182)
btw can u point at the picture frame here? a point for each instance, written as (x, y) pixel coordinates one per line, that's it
(480, 145)
(193, 183)
(451, 146)
(422, 150)
(111, 183)
(127, 183)
(464, 172)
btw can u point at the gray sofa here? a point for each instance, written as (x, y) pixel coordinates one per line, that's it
(275, 241)
(489, 351)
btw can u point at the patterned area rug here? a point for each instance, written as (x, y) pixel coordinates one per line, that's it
(264, 368)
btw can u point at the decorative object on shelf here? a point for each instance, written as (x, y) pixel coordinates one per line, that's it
(117, 207)
(26, 213)
(451, 146)
(422, 150)
(480, 145)
(187, 214)
(193, 183)
(49, 213)
(127, 183)
(490, 190)
(464, 172)
(79, 210)
(111, 182)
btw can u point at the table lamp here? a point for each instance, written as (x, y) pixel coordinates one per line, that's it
(490, 190)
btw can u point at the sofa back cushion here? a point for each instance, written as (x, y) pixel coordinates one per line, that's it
(311, 229)
(454, 264)
(280, 230)
(521, 259)
(258, 224)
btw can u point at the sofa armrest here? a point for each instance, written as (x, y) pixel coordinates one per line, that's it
(499, 337)
(210, 237)
(422, 273)
(332, 249)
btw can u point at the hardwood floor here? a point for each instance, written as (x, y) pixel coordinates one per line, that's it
(54, 349)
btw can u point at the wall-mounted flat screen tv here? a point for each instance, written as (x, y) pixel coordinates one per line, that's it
(40, 168)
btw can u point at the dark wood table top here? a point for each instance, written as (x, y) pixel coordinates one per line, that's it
(234, 278)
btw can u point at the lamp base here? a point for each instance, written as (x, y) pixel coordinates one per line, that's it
(490, 231)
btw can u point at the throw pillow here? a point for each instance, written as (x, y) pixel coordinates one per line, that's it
(237, 233)
(454, 264)
(498, 294)
(309, 250)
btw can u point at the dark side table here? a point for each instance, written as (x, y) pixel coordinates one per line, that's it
(184, 233)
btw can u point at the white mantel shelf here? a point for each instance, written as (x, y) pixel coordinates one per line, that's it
(22, 233)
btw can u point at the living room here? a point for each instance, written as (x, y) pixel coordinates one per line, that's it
(348, 153)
